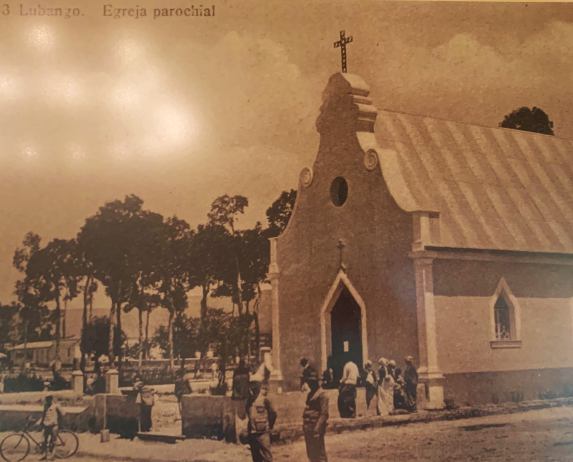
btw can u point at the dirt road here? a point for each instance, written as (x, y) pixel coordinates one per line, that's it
(544, 435)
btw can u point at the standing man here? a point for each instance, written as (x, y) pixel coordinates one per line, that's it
(410, 383)
(315, 418)
(347, 390)
(50, 423)
(146, 400)
(262, 417)
(370, 383)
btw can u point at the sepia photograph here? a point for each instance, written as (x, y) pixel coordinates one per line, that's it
(257, 230)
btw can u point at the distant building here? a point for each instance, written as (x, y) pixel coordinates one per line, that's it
(43, 353)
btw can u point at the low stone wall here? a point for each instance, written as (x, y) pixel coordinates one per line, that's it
(35, 397)
(290, 405)
(13, 416)
(118, 413)
(221, 417)
(208, 416)
(507, 386)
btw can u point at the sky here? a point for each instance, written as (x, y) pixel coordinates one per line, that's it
(181, 110)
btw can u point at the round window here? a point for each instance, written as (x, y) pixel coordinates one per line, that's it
(339, 191)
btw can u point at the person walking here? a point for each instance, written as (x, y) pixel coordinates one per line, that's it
(146, 400)
(262, 418)
(347, 390)
(410, 384)
(385, 404)
(315, 418)
(370, 383)
(50, 423)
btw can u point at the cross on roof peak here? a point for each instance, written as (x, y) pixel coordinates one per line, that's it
(342, 45)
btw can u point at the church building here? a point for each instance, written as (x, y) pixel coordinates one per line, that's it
(449, 242)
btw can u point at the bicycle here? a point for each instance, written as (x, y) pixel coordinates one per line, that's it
(16, 446)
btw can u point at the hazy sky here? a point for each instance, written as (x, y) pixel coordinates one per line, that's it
(181, 110)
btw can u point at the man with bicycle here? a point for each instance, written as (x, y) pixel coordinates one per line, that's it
(50, 423)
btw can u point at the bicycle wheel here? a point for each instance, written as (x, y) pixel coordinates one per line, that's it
(15, 447)
(66, 444)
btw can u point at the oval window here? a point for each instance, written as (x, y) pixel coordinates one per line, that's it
(339, 191)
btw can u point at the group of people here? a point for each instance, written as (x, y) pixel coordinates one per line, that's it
(394, 388)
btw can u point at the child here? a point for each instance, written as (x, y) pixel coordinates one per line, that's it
(50, 423)
(262, 418)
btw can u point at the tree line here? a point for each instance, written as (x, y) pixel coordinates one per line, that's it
(144, 261)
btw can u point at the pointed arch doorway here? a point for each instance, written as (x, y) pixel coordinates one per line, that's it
(343, 326)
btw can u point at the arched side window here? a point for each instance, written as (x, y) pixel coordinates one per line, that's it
(503, 323)
(505, 315)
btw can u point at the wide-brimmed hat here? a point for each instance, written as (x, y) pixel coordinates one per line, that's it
(392, 363)
(382, 361)
(409, 359)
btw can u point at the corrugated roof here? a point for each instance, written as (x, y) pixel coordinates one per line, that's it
(494, 188)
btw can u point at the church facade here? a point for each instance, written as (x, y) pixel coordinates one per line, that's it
(449, 242)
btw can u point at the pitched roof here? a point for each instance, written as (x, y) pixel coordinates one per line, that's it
(42, 344)
(493, 188)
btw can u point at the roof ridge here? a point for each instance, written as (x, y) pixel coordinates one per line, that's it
(442, 119)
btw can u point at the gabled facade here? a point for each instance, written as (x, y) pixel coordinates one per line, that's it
(449, 242)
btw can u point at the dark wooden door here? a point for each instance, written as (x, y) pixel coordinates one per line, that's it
(346, 326)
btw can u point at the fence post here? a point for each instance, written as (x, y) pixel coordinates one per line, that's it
(78, 382)
(112, 381)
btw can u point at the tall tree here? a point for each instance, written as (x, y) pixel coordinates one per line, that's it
(148, 239)
(185, 337)
(173, 278)
(225, 211)
(279, 213)
(254, 258)
(8, 314)
(88, 289)
(97, 336)
(49, 276)
(52, 270)
(529, 119)
(144, 301)
(207, 260)
(111, 242)
(34, 321)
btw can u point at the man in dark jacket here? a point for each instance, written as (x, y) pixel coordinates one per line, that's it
(410, 383)
(315, 418)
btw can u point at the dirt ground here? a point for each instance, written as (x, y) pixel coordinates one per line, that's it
(543, 435)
